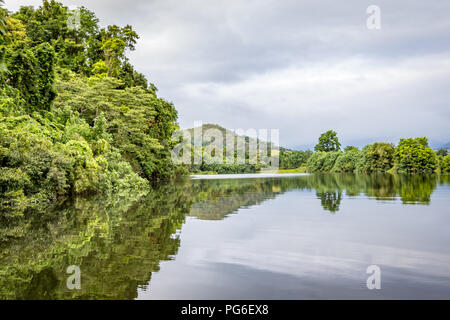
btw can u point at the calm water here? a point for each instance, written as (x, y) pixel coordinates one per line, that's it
(277, 237)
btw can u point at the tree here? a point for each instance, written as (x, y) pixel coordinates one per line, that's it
(328, 142)
(290, 159)
(442, 152)
(31, 71)
(2, 34)
(2, 19)
(347, 161)
(66, 128)
(413, 155)
(445, 164)
(350, 148)
(114, 42)
(381, 156)
(316, 161)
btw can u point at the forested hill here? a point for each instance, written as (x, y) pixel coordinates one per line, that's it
(288, 159)
(75, 116)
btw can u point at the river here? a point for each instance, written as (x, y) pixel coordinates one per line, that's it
(240, 237)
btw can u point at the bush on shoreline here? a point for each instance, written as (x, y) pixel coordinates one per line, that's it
(412, 155)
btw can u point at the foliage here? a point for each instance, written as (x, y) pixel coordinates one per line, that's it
(229, 161)
(316, 161)
(380, 156)
(445, 164)
(414, 155)
(410, 156)
(328, 142)
(290, 159)
(2, 19)
(140, 123)
(323, 161)
(347, 161)
(350, 148)
(330, 160)
(75, 117)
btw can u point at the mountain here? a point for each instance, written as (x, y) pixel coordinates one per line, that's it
(238, 138)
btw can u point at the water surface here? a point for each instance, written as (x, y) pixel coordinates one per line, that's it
(277, 237)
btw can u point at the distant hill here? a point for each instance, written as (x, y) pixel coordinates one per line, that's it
(446, 146)
(288, 159)
(238, 138)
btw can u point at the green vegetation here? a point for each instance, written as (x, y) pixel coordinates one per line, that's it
(445, 164)
(414, 155)
(347, 161)
(75, 117)
(112, 238)
(328, 142)
(290, 159)
(411, 155)
(228, 164)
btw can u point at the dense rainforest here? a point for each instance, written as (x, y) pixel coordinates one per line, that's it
(76, 118)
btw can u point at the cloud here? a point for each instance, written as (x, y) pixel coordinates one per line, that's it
(303, 67)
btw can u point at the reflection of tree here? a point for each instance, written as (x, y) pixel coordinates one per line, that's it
(118, 243)
(330, 200)
(444, 179)
(411, 189)
(416, 189)
(215, 199)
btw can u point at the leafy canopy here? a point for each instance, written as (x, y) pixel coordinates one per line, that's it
(328, 142)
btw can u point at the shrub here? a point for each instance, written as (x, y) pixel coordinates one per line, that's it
(377, 157)
(414, 156)
(381, 156)
(347, 161)
(330, 160)
(445, 164)
(316, 161)
(363, 162)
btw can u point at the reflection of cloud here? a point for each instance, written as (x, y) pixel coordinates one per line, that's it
(341, 259)
(288, 236)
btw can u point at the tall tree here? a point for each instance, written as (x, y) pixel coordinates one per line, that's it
(2, 19)
(115, 41)
(328, 142)
(2, 33)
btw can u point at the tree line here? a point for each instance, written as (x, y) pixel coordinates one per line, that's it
(75, 116)
(411, 155)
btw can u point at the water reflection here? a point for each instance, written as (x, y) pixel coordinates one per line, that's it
(214, 199)
(119, 243)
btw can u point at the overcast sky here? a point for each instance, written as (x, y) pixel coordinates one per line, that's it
(303, 67)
